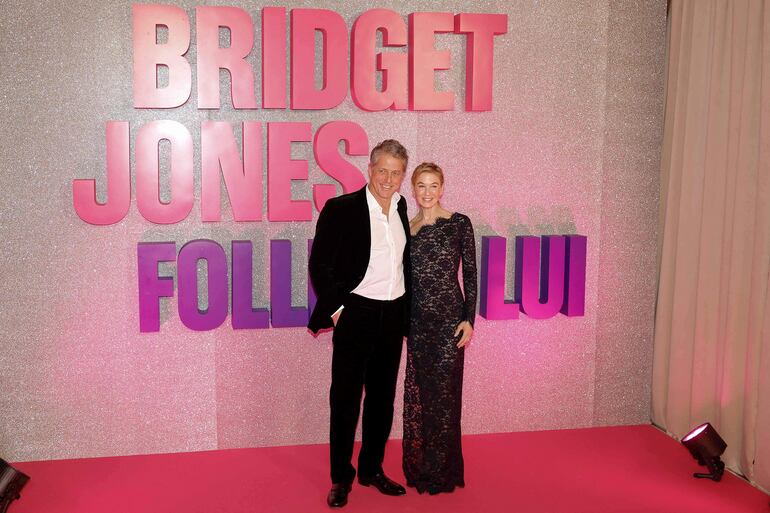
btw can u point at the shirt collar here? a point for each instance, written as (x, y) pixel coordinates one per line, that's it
(375, 207)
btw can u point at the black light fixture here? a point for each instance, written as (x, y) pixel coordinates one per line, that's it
(706, 446)
(11, 483)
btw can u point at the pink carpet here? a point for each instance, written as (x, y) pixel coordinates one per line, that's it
(602, 470)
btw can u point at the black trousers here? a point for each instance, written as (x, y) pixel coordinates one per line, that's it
(367, 352)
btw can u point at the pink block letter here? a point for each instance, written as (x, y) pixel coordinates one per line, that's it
(540, 267)
(151, 286)
(118, 182)
(424, 60)
(493, 305)
(243, 179)
(274, 58)
(148, 175)
(211, 57)
(148, 55)
(393, 64)
(325, 145)
(481, 30)
(281, 170)
(575, 286)
(304, 23)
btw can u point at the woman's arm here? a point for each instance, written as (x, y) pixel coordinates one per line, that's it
(470, 280)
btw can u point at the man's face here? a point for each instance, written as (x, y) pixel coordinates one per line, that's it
(385, 176)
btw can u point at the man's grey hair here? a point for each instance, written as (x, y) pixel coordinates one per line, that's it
(392, 148)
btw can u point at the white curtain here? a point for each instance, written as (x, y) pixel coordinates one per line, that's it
(712, 328)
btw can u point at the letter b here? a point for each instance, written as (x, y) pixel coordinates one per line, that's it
(149, 55)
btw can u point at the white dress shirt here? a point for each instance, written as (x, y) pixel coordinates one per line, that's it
(384, 278)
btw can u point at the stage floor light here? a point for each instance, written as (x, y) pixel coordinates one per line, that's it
(706, 446)
(11, 483)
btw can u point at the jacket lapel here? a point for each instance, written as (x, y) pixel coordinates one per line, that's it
(364, 229)
(404, 218)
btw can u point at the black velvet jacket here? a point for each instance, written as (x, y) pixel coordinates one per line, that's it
(340, 255)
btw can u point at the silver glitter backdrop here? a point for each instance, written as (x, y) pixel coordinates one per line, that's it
(571, 145)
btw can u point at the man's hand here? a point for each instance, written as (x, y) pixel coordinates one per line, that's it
(467, 330)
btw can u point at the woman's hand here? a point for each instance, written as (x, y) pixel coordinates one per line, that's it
(467, 330)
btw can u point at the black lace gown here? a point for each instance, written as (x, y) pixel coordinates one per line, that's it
(433, 459)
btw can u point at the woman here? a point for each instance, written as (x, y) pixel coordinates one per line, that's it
(441, 327)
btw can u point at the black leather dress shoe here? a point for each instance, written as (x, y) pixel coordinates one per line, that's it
(11, 483)
(338, 495)
(383, 484)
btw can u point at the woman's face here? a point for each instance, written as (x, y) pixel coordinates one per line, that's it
(428, 189)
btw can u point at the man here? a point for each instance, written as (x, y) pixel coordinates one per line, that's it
(359, 267)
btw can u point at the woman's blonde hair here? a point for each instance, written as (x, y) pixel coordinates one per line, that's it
(427, 167)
